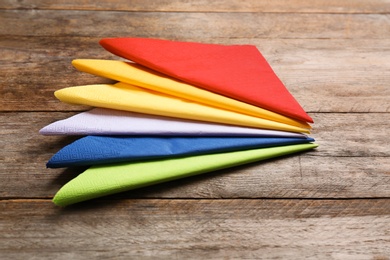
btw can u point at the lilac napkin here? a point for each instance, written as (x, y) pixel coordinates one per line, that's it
(102, 121)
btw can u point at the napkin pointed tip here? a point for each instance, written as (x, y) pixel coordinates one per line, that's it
(58, 202)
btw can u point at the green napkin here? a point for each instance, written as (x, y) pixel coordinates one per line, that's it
(103, 180)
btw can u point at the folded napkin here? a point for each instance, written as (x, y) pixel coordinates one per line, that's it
(126, 97)
(138, 75)
(236, 71)
(93, 150)
(102, 121)
(103, 180)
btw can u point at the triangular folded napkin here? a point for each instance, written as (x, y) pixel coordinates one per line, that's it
(93, 150)
(102, 121)
(103, 180)
(140, 76)
(236, 71)
(126, 97)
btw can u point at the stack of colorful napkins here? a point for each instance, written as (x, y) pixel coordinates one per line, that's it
(179, 109)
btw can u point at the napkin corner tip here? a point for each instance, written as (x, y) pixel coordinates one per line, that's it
(57, 202)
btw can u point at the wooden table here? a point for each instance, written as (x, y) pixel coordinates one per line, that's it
(332, 203)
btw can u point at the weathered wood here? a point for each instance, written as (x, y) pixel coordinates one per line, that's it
(347, 164)
(33, 68)
(339, 134)
(296, 6)
(332, 203)
(287, 177)
(192, 25)
(317, 72)
(200, 229)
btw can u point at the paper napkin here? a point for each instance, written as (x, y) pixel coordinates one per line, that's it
(236, 71)
(103, 180)
(102, 121)
(93, 150)
(138, 75)
(126, 97)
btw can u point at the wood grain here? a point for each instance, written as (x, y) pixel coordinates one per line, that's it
(346, 164)
(193, 25)
(259, 6)
(295, 176)
(201, 229)
(339, 134)
(332, 203)
(315, 71)
(288, 177)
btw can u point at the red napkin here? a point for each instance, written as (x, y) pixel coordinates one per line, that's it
(236, 71)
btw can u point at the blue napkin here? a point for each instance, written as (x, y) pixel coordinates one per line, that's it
(91, 150)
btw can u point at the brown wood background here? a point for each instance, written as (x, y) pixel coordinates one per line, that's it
(332, 203)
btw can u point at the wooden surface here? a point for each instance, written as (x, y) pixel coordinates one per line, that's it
(332, 203)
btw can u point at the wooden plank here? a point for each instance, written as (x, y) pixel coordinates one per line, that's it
(289, 177)
(33, 68)
(295, 6)
(332, 203)
(347, 164)
(352, 134)
(323, 75)
(192, 25)
(339, 134)
(200, 229)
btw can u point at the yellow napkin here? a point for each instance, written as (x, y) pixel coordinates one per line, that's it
(143, 77)
(127, 97)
